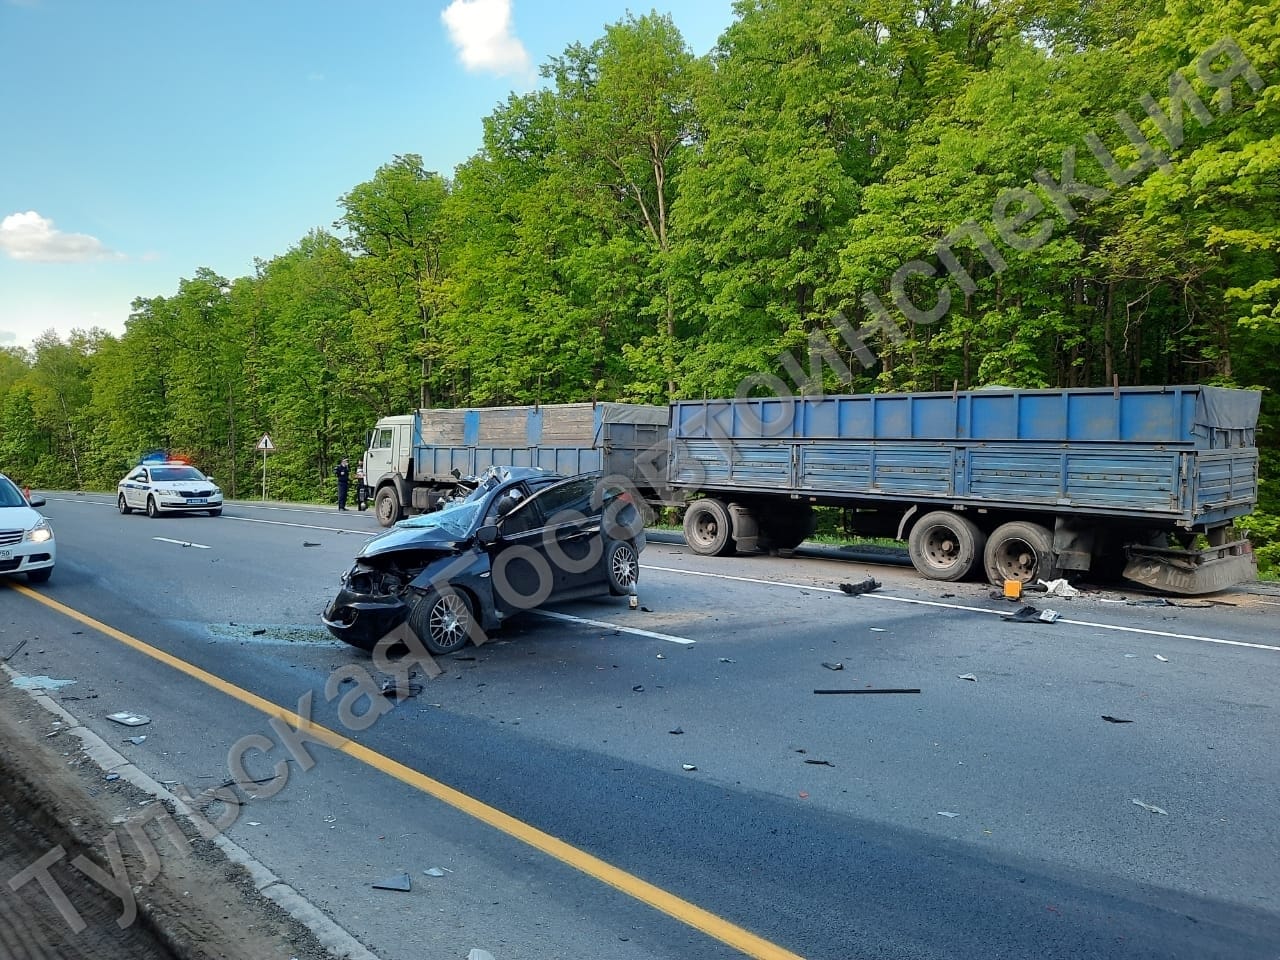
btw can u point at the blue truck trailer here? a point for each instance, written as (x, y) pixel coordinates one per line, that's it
(1146, 482)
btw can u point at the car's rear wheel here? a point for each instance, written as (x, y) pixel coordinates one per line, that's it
(122, 505)
(39, 576)
(442, 621)
(622, 565)
(152, 510)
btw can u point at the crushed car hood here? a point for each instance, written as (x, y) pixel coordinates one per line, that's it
(407, 538)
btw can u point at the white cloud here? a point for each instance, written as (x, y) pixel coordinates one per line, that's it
(7, 337)
(481, 30)
(29, 236)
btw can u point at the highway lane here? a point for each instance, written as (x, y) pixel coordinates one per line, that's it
(1047, 855)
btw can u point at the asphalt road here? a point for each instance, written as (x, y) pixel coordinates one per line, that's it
(990, 818)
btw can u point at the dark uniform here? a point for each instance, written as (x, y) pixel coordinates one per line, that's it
(343, 473)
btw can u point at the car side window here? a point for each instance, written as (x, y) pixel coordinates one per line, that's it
(524, 517)
(568, 501)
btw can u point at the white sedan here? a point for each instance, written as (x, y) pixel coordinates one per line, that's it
(168, 488)
(26, 539)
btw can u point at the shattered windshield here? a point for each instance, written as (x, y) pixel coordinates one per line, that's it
(455, 519)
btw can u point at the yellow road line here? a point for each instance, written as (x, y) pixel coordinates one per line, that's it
(673, 906)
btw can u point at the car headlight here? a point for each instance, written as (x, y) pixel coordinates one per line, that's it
(166, 492)
(40, 532)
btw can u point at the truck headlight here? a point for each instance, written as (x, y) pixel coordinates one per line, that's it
(40, 532)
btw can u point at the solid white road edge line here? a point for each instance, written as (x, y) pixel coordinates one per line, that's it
(182, 543)
(960, 606)
(615, 626)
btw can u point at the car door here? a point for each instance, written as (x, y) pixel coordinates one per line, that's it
(569, 538)
(135, 491)
(521, 576)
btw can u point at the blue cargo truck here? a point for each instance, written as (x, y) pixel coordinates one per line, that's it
(1146, 482)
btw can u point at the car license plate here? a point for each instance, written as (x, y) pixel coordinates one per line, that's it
(196, 500)
(5, 554)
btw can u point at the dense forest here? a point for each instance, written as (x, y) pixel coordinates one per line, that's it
(867, 195)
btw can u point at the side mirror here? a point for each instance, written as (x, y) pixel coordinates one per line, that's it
(36, 500)
(487, 535)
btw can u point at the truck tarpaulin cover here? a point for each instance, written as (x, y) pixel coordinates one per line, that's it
(1221, 409)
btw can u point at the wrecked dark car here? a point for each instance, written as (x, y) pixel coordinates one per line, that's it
(522, 538)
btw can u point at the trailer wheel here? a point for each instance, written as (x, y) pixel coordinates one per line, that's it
(945, 545)
(386, 506)
(787, 527)
(1020, 551)
(707, 529)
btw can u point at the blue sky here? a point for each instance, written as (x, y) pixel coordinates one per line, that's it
(143, 139)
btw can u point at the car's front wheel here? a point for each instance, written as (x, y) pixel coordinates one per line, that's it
(442, 621)
(39, 576)
(153, 511)
(216, 512)
(122, 505)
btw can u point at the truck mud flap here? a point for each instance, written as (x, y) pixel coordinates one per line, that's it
(1191, 572)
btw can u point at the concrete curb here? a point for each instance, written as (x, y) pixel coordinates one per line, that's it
(330, 935)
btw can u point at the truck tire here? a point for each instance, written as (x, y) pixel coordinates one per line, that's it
(785, 527)
(1021, 551)
(945, 545)
(386, 506)
(707, 528)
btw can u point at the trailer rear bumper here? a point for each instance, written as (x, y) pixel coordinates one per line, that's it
(1192, 571)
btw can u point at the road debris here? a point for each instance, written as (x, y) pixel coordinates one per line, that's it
(14, 652)
(1153, 602)
(1150, 807)
(1114, 719)
(878, 630)
(948, 814)
(40, 683)
(638, 688)
(662, 656)
(111, 777)
(727, 660)
(308, 543)
(434, 872)
(1058, 588)
(687, 766)
(820, 763)
(400, 883)
(1030, 614)
(136, 741)
(1012, 590)
(391, 687)
(832, 666)
(478, 954)
(967, 676)
(129, 719)
(874, 690)
(676, 732)
(865, 585)
(1162, 659)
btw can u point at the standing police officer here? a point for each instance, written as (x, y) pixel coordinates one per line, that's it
(343, 473)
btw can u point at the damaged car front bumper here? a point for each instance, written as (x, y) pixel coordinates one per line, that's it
(362, 619)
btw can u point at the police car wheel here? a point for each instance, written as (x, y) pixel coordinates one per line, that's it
(123, 506)
(152, 510)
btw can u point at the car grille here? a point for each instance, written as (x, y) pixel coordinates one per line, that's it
(197, 493)
(8, 537)
(7, 565)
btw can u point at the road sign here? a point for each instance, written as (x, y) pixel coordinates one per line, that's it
(265, 443)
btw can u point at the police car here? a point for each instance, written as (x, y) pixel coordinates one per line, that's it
(168, 486)
(26, 539)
